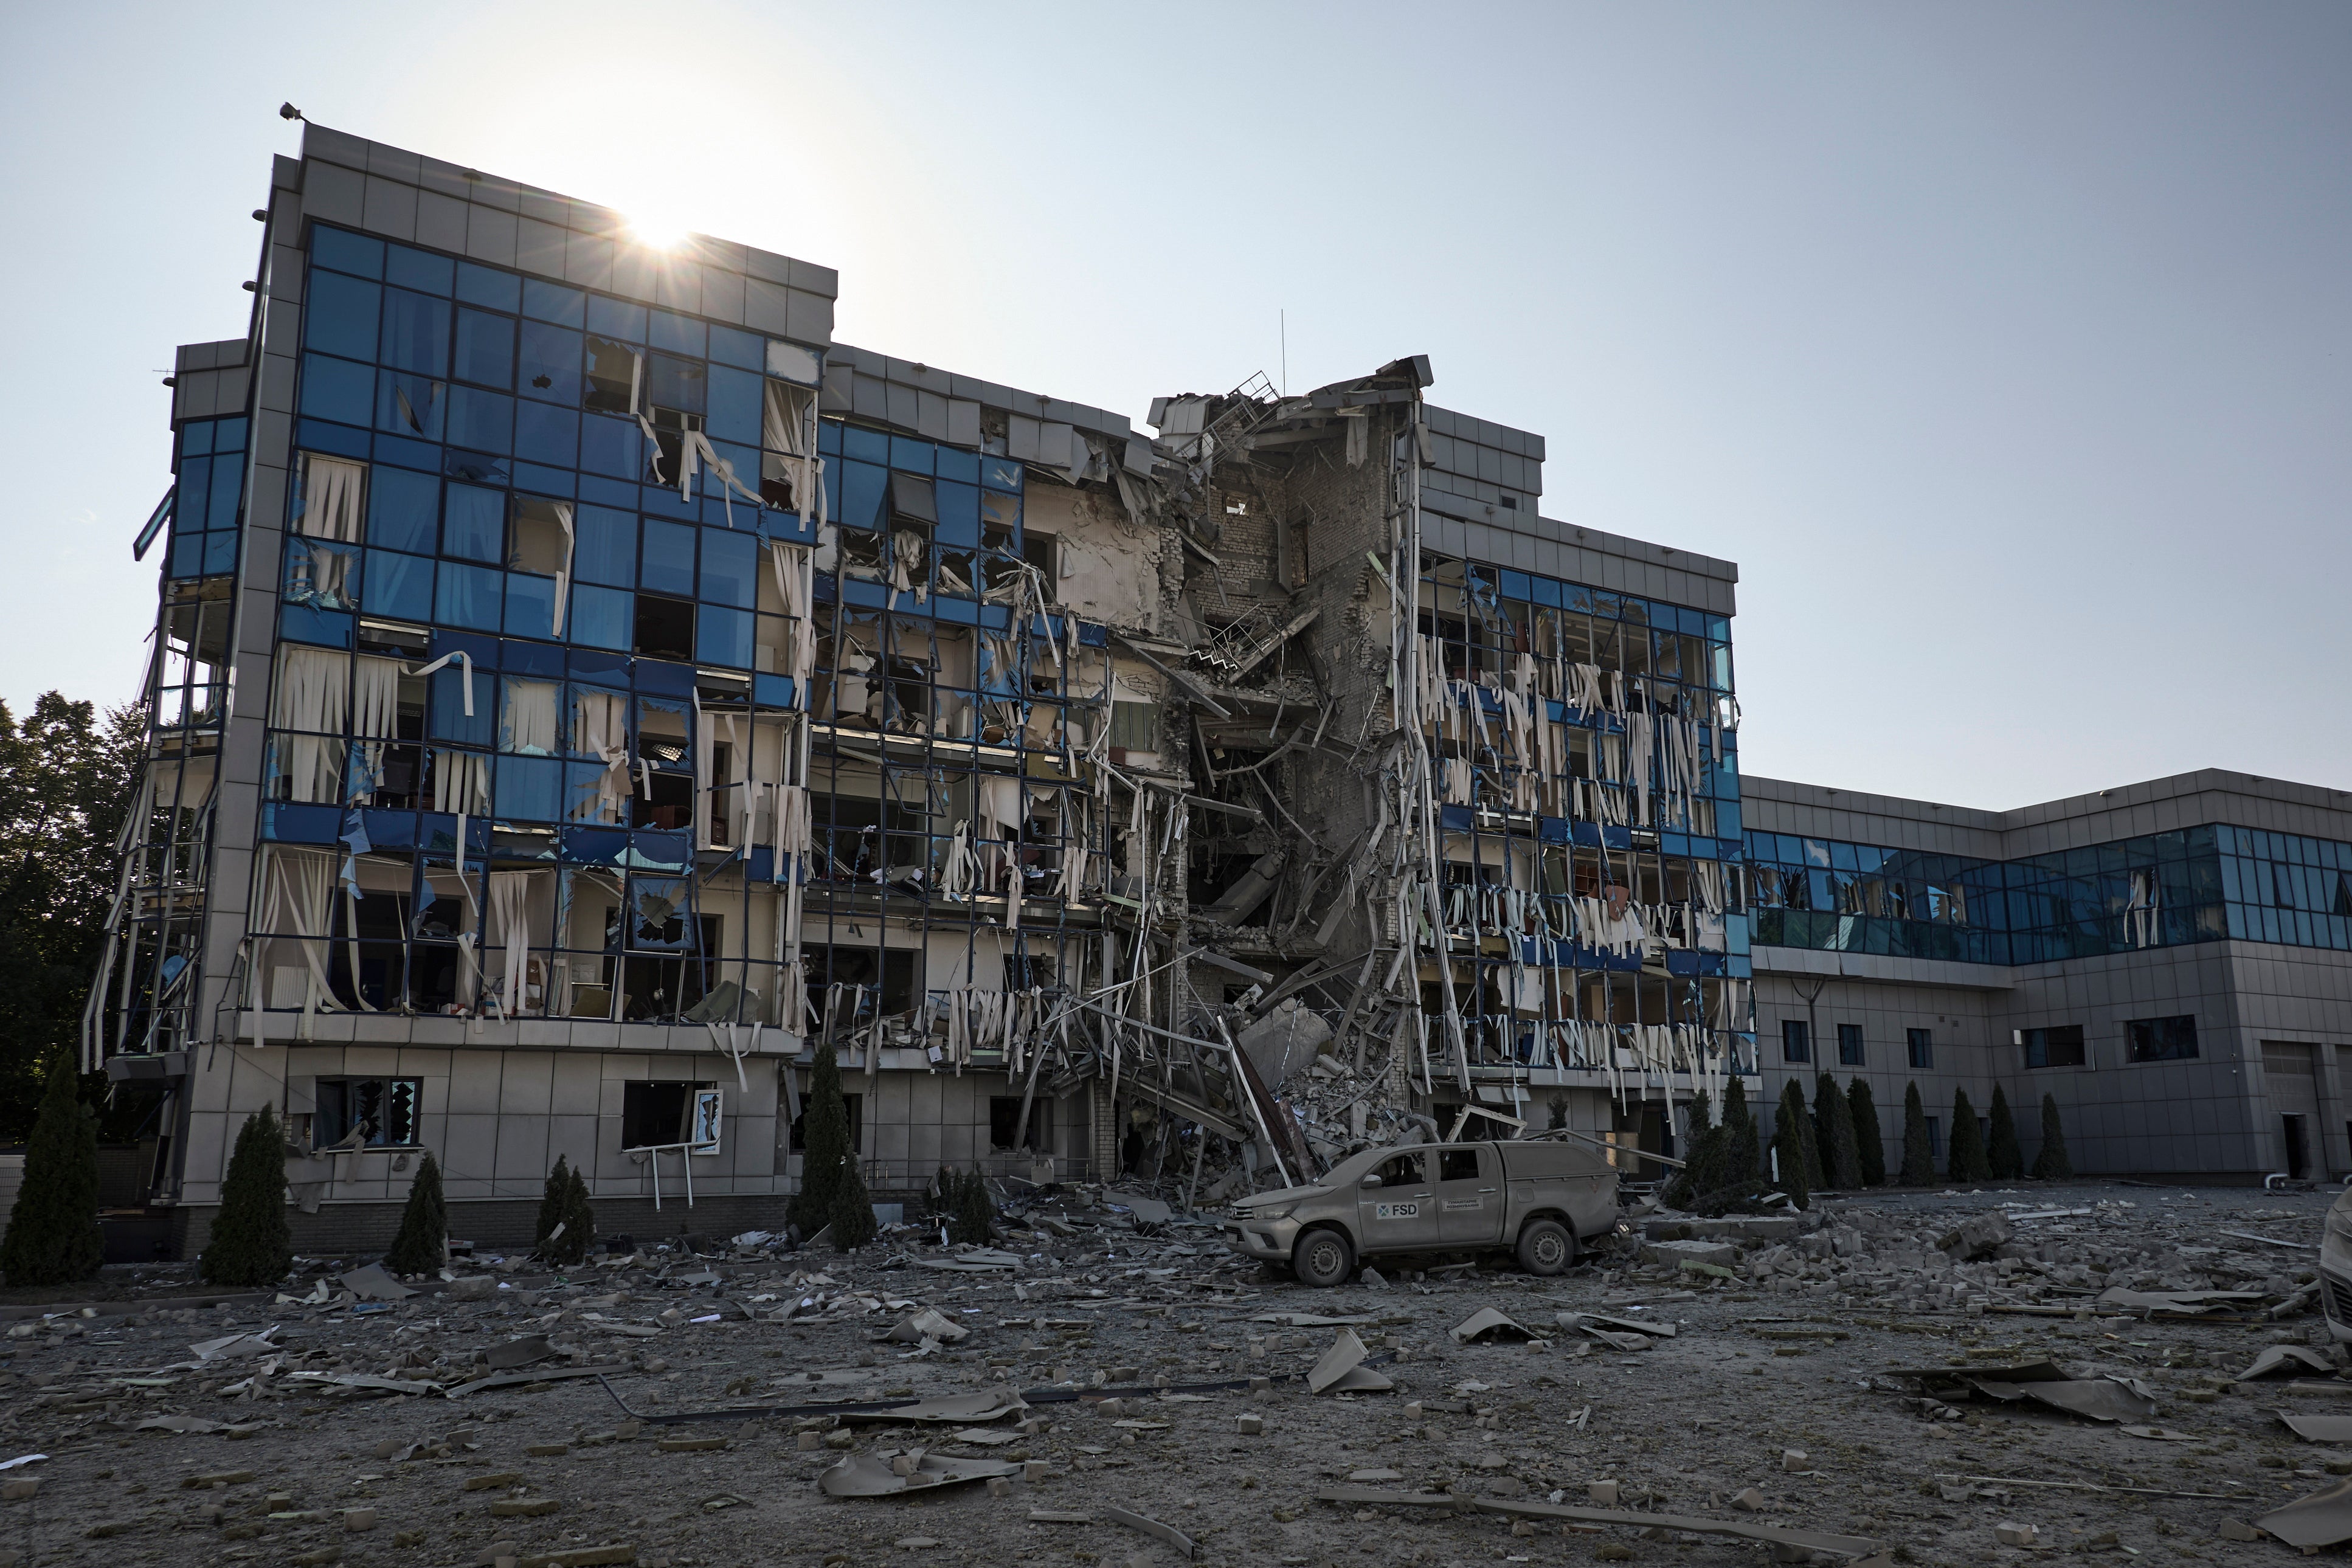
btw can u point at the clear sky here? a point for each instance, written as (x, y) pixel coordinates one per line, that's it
(2003, 345)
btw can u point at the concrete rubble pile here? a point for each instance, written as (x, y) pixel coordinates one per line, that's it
(1104, 1377)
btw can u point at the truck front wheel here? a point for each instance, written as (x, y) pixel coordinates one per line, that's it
(1322, 1258)
(1546, 1247)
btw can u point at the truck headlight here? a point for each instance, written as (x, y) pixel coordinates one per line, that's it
(1280, 1212)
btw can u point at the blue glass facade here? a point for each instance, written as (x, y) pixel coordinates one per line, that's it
(2199, 884)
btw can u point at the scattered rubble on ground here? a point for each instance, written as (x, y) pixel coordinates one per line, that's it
(1926, 1377)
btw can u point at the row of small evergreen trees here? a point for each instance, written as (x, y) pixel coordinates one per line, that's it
(1835, 1142)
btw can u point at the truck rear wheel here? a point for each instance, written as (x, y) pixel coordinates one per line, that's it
(1322, 1257)
(1546, 1247)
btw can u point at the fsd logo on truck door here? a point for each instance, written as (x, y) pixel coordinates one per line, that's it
(1396, 1211)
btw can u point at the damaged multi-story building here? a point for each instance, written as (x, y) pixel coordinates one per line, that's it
(583, 688)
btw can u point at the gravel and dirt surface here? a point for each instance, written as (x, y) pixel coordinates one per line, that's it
(1776, 1379)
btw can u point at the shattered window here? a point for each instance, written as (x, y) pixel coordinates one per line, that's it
(372, 1112)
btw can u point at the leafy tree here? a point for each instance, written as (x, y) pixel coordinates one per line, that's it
(53, 1235)
(1966, 1159)
(1814, 1178)
(251, 1243)
(2052, 1164)
(2003, 1160)
(1918, 1159)
(552, 1199)
(65, 779)
(1739, 1159)
(1833, 1131)
(852, 1220)
(960, 1198)
(1789, 1145)
(825, 1152)
(1702, 1171)
(1870, 1145)
(579, 1217)
(422, 1245)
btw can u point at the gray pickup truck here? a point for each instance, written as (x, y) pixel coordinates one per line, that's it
(1538, 1199)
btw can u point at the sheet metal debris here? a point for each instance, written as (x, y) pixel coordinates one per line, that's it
(871, 1475)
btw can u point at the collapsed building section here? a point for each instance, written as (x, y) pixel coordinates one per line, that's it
(583, 690)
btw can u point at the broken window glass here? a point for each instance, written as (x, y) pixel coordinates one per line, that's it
(614, 372)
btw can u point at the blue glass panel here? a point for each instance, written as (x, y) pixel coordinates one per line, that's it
(550, 363)
(731, 568)
(228, 480)
(419, 269)
(340, 318)
(543, 480)
(744, 351)
(679, 334)
(667, 558)
(415, 333)
(347, 252)
(1000, 473)
(473, 524)
(197, 438)
(532, 659)
(291, 822)
(862, 486)
(675, 383)
(605, 546)
(547, 301)
(476, 468)
(664, 678)
(828, 438)
(961, 467)
(603, 617)
(615, 319)
(486, 348)
(411, 406)
(196, 489)
(529, 789)
(486, 285)
(866, 446)
(1547, 591)
(318, 435)
(734, 411)
(468, 596)
(336, 388)
(724, 636)
(958, 514)
(545, 434)
(773, 691)
(445, 707)
(611, 445)
(399, 586)
(302, 623)
(220, 553)
(914, 456)
(531, 605)
(228, 434)
(481, 420)
(665, 500)
(403, 507)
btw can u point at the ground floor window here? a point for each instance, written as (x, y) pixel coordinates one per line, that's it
(383, 1110)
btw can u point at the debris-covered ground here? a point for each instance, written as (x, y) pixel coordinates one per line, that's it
(442, 1429)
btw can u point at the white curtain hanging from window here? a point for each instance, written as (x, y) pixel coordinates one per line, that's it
(527, 724)
(600, 726)
(461, 782)
(563, 578)
(333, 490)
(297, 886)
(508, 939)
(311, 693)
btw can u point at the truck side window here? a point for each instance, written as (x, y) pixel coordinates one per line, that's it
(1458, 1165)
(1403, 1170)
